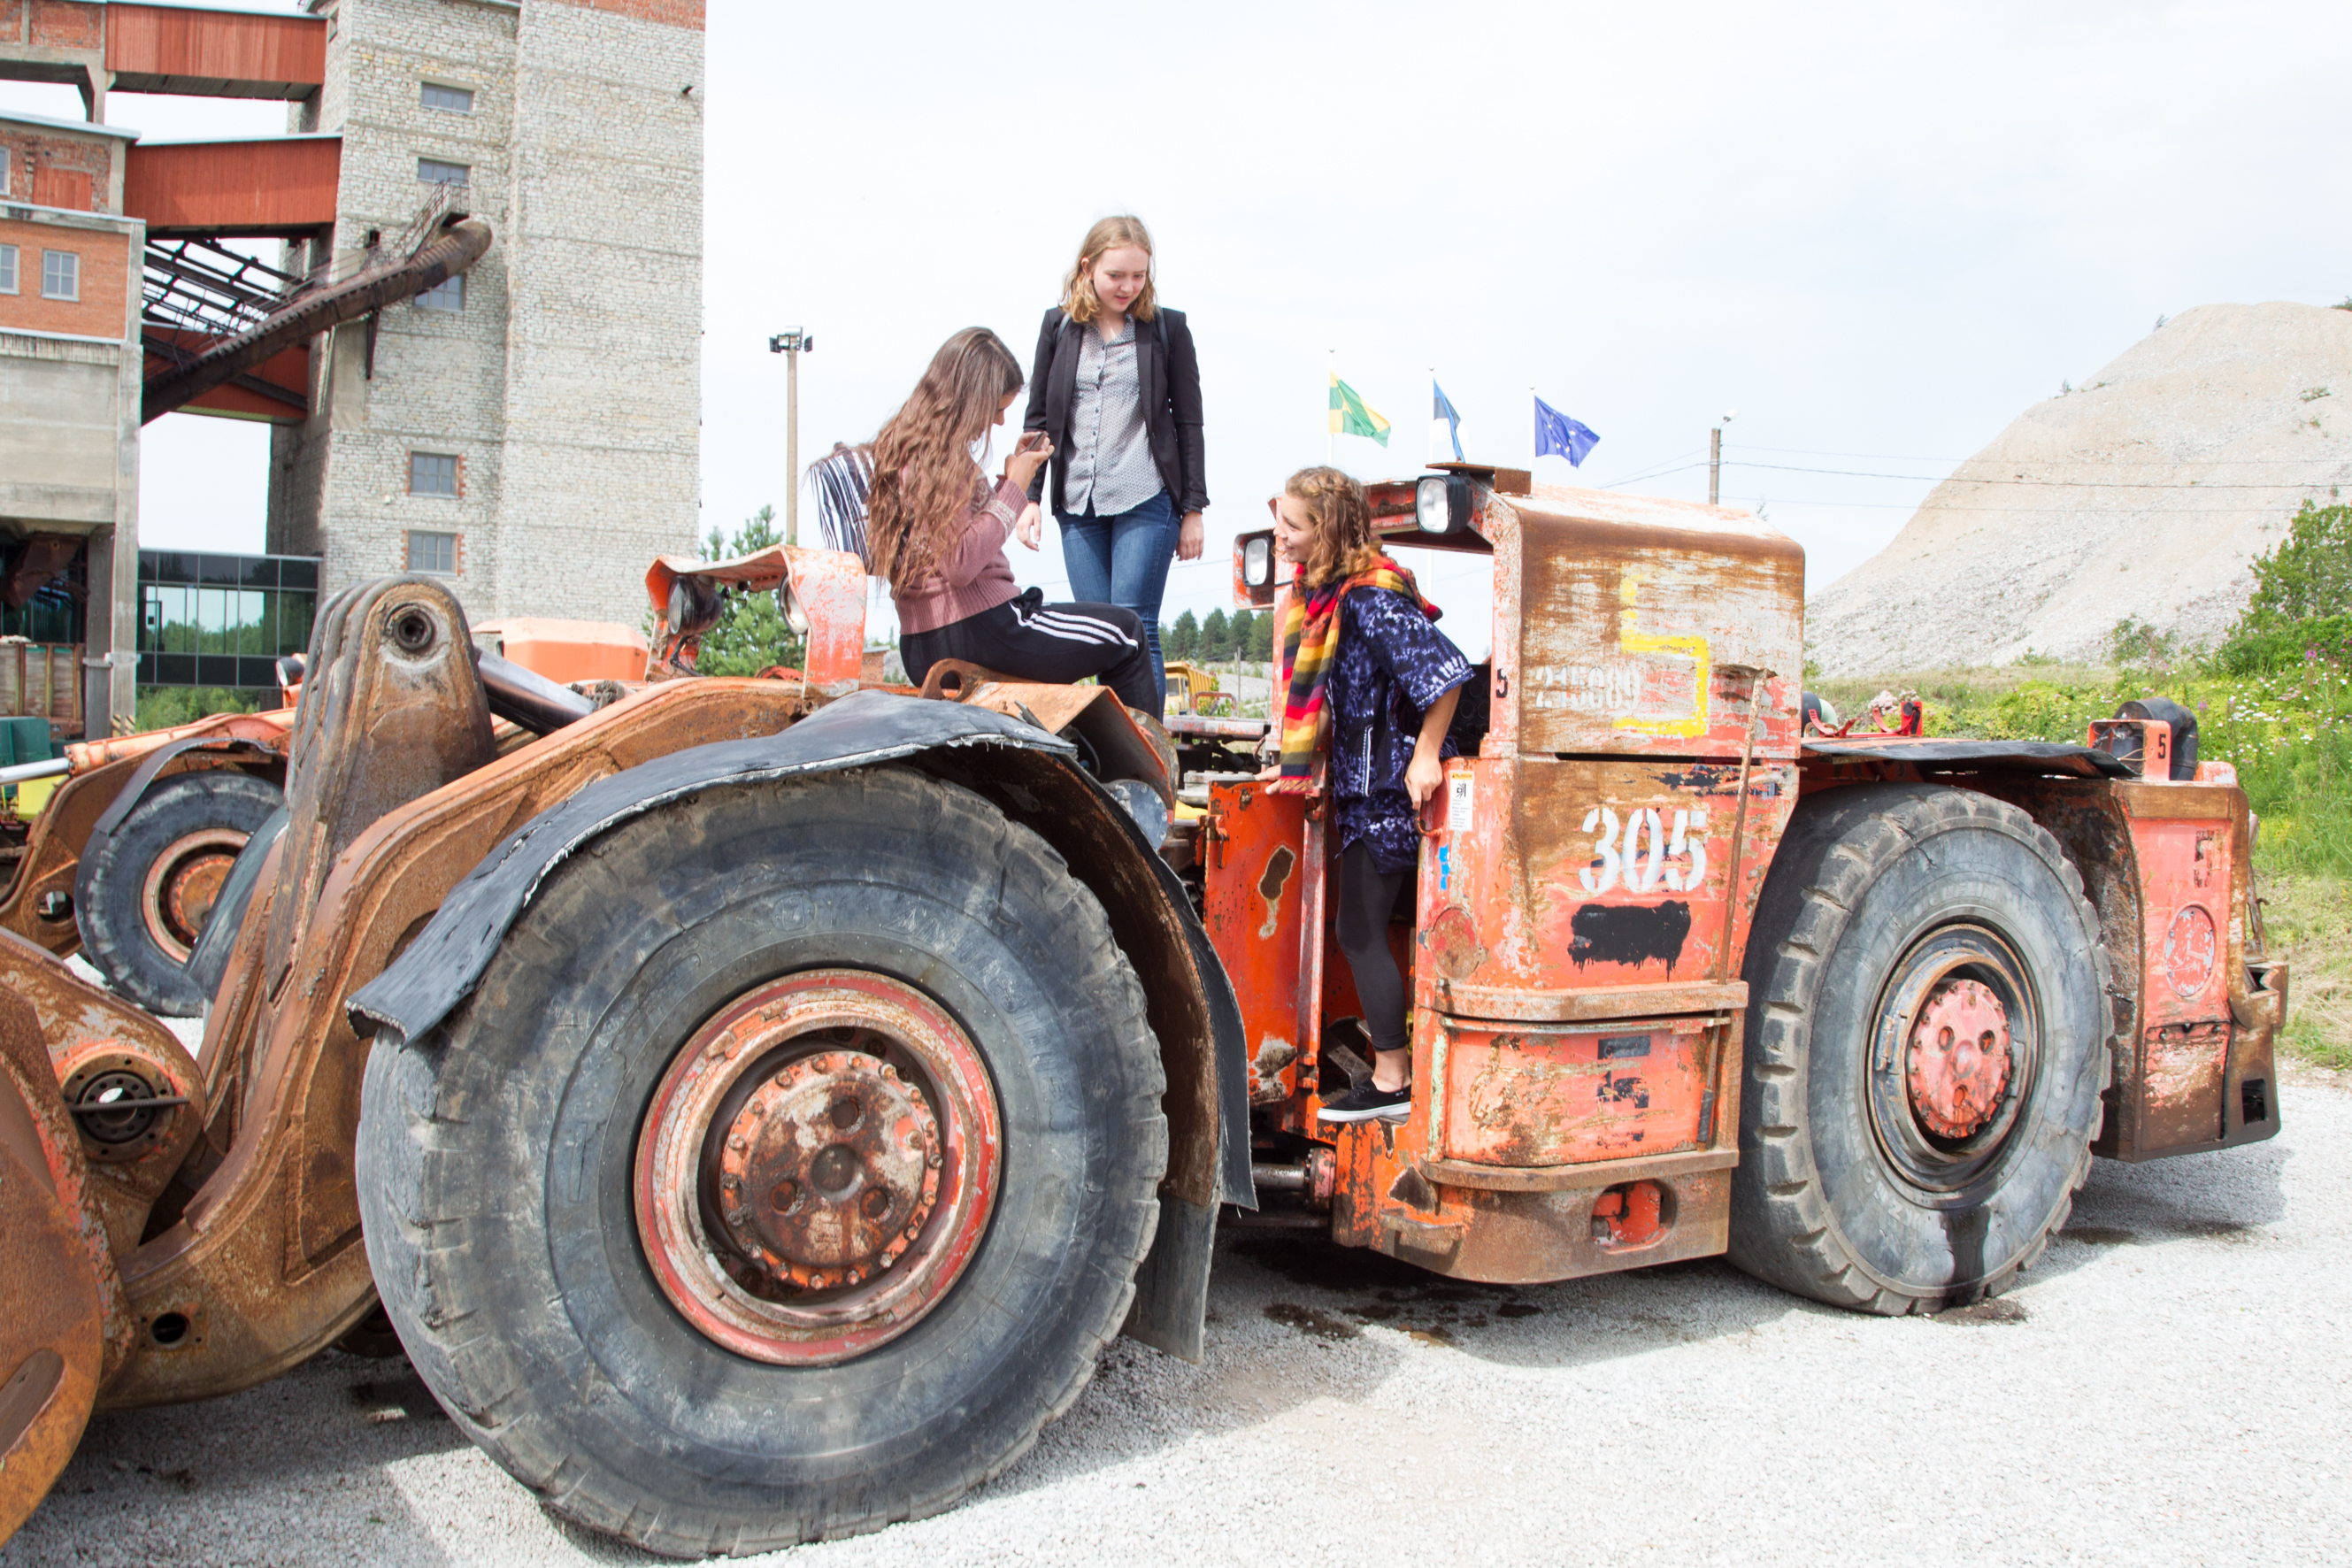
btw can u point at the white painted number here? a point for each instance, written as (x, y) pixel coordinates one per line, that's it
(1640, 851)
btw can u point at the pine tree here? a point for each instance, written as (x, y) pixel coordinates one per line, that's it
(751, 635)
(1214, 637)
(1263, 650)
(1241, 635)
(1182, 640)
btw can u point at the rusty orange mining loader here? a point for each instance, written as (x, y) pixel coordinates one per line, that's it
(756, 1102)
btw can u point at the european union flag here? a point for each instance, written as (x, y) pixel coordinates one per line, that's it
(1441, 413)
(1556, 432)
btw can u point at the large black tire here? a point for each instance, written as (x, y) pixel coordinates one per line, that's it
(1835, 1196)
(127, 920)
(496, 1165)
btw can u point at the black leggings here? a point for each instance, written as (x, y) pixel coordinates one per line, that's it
(1367, 897)
(1032, 640)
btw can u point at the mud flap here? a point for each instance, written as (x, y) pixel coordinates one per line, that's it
(1171, 1289)
(51, 1338)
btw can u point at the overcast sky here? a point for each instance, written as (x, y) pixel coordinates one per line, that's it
(1874, 231)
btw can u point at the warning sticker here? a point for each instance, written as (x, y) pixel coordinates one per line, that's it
(1459, 799)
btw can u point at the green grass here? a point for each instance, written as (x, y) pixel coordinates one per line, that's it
(2308, 920)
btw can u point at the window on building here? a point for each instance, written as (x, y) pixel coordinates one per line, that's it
(7, 162)
(450, 294)
(60, 274)
(434, 553)
(434, 171)
(7, 269)
(456, 100)
(432, 474)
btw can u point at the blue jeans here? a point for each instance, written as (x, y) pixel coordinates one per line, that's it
(1123, 559)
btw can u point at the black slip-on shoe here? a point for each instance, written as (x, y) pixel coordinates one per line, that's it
(1363, 1102)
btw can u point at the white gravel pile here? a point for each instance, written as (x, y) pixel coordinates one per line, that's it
(2170, 1386)
(2142, 494)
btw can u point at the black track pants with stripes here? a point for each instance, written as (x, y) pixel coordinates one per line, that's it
(1032, 640)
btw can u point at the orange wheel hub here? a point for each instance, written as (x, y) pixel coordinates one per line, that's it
(1958, 1061)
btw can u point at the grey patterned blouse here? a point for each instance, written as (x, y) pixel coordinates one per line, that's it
(1110, 466)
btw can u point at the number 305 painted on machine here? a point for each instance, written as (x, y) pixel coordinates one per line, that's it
(1640, 852)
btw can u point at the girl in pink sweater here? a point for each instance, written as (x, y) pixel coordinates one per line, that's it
(937, 530)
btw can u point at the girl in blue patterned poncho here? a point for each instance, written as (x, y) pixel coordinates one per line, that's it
(1369, 682)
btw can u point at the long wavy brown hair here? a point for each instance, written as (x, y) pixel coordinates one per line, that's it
(1339, 542)
(1079, 290)
(924, 477)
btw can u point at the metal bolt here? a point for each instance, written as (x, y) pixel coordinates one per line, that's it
(735, 1141)
(784, 1078)
(784, 1192)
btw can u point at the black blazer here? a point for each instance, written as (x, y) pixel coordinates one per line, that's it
(1170, 377)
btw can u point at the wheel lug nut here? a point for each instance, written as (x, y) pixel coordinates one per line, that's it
(876, 1203)
(783, 1195)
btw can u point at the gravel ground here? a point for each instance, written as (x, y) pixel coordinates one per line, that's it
(2170, 1387)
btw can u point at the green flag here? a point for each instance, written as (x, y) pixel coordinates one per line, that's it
(1351, 417)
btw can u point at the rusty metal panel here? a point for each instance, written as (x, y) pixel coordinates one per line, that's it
(1530, 1095)
(215, 54)
(1572, 876)
(280, 184)
(1634, 620)
(1255, 909)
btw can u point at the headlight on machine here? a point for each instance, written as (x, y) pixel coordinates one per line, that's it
(1257, 562)
(1440, 503)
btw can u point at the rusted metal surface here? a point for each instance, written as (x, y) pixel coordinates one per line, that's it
(823, 594)
(1957, 1061)
(1582, 906)
(2196, 1004)
(817, 1167)
(59, 1297)
(39, 902)
(447, 252)
(1555, 1095)
(125, 1083)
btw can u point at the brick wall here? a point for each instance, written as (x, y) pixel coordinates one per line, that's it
(107, 279)
(68, 25)
(669, 13)
(32, 152)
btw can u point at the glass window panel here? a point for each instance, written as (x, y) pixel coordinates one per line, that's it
(257, 571)
(434, 171)
(432, 474)
(455, 99)
(224, 570)
(7, 263)
(211, 618)
(249, 634)
(450, 294)
(297, 571)
(61, 274)
(294, 622)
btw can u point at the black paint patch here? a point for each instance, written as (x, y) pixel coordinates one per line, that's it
(1630, 935)
(1277, 872)
(1624, 1046)
(1702, 779)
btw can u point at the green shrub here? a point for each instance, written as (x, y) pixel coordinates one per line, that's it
(752, 635)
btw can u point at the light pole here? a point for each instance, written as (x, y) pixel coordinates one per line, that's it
(793, 342)
(1715, 459)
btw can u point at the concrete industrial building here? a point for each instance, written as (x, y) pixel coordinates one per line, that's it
(534, 431)
(530, 429)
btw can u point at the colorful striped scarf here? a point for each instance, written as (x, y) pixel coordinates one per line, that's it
(1310, 641)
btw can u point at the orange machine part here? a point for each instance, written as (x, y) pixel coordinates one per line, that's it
(567, 651)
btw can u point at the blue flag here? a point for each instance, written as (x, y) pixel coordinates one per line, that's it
(1556, 432)
(1441, 413)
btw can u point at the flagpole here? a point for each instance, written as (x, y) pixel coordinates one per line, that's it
(1429, 443)
(1330, 377)
(1532, 441)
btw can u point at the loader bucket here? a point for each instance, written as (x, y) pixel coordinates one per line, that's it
(52, 1325)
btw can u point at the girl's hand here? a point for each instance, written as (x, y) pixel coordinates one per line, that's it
(1024, 527)
(1189, 537)
(1028, 458)
(1423, 775)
